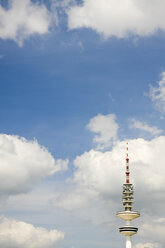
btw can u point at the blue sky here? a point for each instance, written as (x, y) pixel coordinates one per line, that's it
(77, 80)
(53, 91)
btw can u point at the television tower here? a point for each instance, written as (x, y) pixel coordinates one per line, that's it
(128, 215)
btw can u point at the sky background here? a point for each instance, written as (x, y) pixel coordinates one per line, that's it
(78, 79)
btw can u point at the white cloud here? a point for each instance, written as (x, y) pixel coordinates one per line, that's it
(106, 127)
(22, 19)
(147, 245)
(160, 220)
(154, 231)
(24, 163)
(74, 199)
(103, 171)
(145, 127)
(119, 18)
(96, 187)
(157, 94)
(98, 170)
(18, 234)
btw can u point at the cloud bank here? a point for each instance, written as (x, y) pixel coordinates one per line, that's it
(103, 172)
(23, 19)
(18, 234)
(24, 163)
(95, 189)
(119, 18)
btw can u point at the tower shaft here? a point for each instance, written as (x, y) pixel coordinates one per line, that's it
(128, 242)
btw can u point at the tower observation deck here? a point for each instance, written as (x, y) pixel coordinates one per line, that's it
(128, 214)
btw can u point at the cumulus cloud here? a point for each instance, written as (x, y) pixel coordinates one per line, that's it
(104, 171)
(94, 190)
(24, 163)
(119, 18)
(106, 127)
(22, 19)
(147, 245)
(18, 234)
(157, 94)
(96, 186)
(152, 130)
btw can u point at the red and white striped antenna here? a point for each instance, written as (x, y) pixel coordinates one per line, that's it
(127, 165)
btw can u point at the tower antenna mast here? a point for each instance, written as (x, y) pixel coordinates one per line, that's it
(128, 214)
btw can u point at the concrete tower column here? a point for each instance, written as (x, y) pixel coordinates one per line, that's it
(128, 242)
